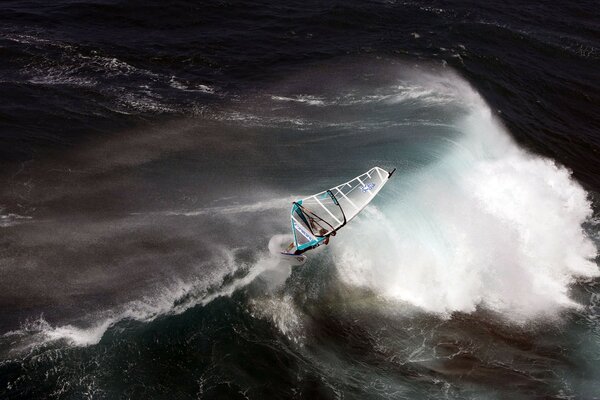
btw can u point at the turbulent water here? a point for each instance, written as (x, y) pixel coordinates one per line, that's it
(150, 152)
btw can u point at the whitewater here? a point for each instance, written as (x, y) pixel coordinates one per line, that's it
(487, 224)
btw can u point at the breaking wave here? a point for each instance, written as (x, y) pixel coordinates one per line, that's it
(230, 275)
(488, 224)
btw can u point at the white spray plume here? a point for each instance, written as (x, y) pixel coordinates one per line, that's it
(488, 224)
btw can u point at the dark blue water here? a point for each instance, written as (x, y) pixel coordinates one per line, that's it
(149, 151)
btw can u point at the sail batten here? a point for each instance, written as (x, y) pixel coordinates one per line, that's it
(345, 197)
(328, 212)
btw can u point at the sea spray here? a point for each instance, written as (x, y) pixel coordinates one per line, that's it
(488, 224)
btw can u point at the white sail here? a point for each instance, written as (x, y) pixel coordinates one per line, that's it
(318, 216)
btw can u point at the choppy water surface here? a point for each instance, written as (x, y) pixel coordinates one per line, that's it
(149, 153)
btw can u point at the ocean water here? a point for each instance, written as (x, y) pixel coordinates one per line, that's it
(150, 151)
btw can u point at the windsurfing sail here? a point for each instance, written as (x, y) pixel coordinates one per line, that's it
(316, 217)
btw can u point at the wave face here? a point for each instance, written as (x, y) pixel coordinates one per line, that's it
(149, 158)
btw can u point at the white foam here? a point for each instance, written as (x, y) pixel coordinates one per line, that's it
(282, 313)
(145, 102)
(56, 76)
(186, 87)
(489, 225)
(307, 99)
(11, 219)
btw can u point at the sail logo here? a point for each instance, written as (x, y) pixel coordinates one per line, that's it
(303, 231)
(367, 187)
